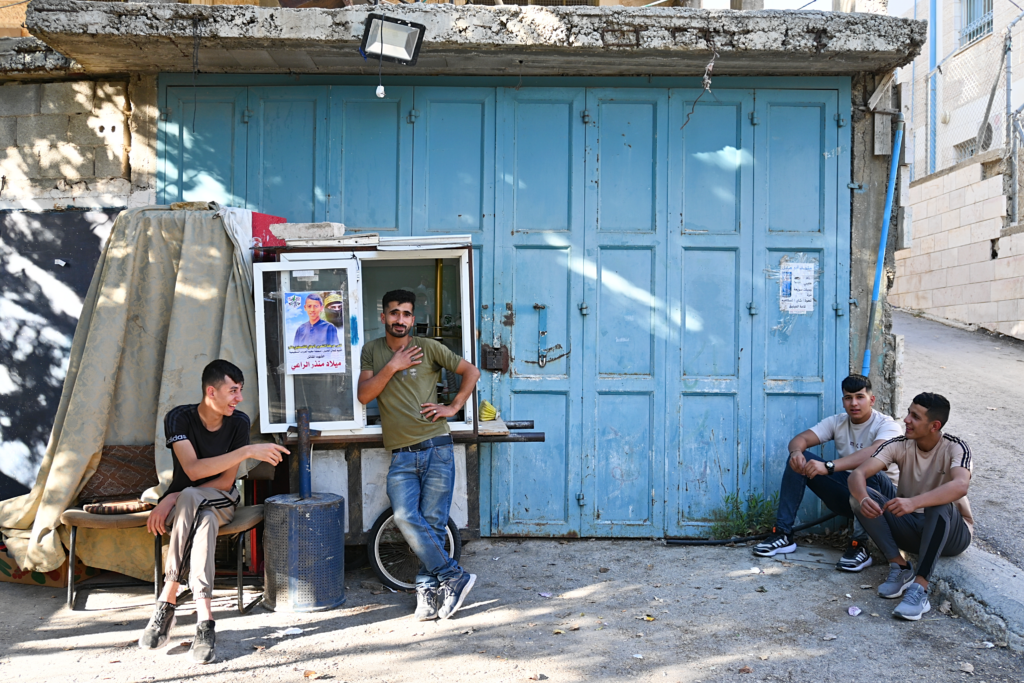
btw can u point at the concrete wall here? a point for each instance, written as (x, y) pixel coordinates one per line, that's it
(963, 265)
(70, 144)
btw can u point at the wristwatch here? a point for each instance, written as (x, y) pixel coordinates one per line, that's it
(831, 467)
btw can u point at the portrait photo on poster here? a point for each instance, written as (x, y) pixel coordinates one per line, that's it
(314, 331)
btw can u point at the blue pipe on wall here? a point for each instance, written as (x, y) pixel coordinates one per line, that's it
(894, 165)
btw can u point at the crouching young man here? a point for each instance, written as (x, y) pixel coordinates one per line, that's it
(857, 432)
(208, 442)
(402, 372)
(929, 515)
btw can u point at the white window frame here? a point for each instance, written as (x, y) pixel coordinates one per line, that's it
(396, 253)
(354, 303)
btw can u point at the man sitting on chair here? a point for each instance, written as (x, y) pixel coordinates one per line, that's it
(208, 442)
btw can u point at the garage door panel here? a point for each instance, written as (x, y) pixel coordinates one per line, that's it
(710, 312)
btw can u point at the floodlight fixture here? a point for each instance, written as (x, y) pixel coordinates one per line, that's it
(392, 40)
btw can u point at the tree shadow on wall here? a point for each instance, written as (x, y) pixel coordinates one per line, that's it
(48, 262)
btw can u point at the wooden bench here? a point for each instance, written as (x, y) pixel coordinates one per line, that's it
(246, 517)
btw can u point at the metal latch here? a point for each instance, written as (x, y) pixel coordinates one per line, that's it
(165, 114)
(583, 308)
(581, 499)
(542, 333)
(752, 307)
(495, 358)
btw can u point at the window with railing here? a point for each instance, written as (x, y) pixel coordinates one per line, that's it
(975, 20)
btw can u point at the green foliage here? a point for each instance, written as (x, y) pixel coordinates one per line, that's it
(733, 520)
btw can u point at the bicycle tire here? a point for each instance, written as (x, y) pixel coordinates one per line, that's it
(391, 558)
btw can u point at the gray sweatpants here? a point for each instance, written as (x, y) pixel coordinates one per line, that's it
(195, 519)
(938, 531)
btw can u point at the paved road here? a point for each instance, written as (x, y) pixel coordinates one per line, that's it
(983, 377)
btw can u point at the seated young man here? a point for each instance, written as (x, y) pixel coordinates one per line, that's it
(208, 440)
(929, 514)
(857, 432)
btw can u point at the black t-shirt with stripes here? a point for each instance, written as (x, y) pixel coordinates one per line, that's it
(183, 424)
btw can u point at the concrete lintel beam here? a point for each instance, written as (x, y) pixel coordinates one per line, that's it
(473, 39)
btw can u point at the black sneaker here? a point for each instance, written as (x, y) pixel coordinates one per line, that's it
(453, 592)
(855, 558)
(201, 651)
(777, 542)
(158, 630)
(426, 603)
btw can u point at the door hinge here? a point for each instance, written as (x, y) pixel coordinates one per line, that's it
(585, 115)
(753, 119)
(581, 499)
(165, 114)
(413, 115)
(583, 308)
(840, 121)
(839, 310)
(752, 307)
(856, 187)
(246, 115)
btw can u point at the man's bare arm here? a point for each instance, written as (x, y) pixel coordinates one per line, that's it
(200, 468)
(858, 483)
(797, 445)
(815, 468)
(470, 374)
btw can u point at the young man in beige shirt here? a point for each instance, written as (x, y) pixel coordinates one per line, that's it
(930, 514)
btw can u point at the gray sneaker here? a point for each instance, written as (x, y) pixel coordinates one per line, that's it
(899, 580)
(452, 594)
(158, 630)
(914, 603)
(426, 603)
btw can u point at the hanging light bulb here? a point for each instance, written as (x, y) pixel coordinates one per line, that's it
(380, 91)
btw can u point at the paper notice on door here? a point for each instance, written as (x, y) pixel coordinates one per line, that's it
(796, 288)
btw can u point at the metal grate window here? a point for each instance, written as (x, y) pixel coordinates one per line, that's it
(975, 20)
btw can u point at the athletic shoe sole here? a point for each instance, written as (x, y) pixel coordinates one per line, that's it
(899, 593)
(916, 617)
(430, 618)
(462, 596)
(854, 568)
(163, 641)
(784, 550)
(199, 661)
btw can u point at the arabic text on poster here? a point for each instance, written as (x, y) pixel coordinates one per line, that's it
(796, 288)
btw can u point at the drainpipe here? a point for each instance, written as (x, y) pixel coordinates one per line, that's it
(894, 164)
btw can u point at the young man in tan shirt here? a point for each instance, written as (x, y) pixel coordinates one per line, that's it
(930, 514)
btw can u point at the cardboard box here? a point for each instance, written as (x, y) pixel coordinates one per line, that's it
(58, 578)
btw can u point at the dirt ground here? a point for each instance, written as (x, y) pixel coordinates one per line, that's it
(552, 610)
(983, 377)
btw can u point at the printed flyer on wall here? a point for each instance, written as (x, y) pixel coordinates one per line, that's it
(796, 288)
(314, 331)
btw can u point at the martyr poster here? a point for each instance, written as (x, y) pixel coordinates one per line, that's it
(314, 333)
(796, 288)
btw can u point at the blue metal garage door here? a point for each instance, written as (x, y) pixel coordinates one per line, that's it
(631, 248)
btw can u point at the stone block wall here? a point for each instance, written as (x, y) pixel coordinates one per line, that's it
(65, 144)
(962, 265)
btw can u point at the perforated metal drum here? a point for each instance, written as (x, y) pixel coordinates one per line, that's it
(304, 550)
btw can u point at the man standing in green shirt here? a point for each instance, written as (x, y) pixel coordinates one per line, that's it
(402, 372)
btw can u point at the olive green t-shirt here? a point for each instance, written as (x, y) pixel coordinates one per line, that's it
(401, 401)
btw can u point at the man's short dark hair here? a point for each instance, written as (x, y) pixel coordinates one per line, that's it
(935, 405)
(854, 383)
(215, 373)
(402, 296)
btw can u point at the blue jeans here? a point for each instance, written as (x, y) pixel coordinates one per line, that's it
(832, 489)
(420, 486)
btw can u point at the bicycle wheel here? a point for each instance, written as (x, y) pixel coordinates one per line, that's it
(393, 561)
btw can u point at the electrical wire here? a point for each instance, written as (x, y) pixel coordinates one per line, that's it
(14, 4)
(744, 539)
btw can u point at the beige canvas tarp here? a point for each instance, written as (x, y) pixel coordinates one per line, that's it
(171, 292)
